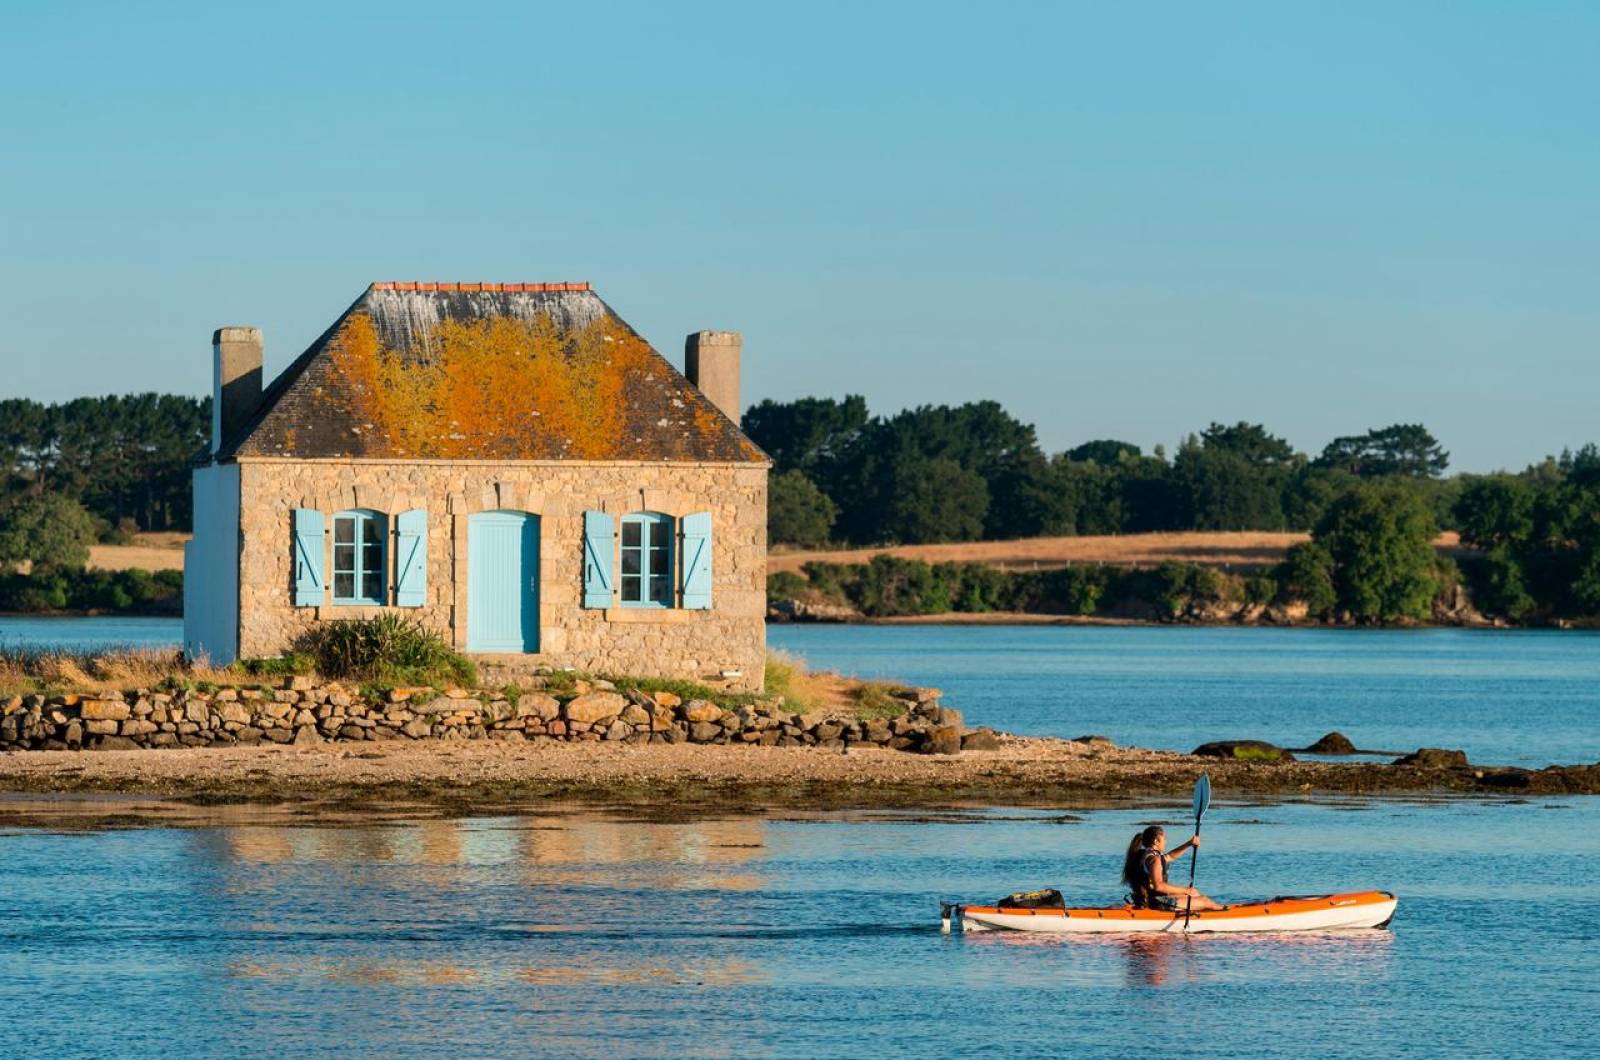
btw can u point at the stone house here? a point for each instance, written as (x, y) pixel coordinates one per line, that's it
(511, 464)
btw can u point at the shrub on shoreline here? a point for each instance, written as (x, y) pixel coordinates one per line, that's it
(385, 649)
(125, 591)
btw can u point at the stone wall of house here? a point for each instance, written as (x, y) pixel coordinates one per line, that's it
(303, 712)
(701, 645)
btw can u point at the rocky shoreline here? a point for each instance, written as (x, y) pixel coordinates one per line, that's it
(673, 780)
(476, 751)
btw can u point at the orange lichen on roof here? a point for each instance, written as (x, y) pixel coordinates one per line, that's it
(485, 387)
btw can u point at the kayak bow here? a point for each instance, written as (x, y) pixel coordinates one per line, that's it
(1329, 912)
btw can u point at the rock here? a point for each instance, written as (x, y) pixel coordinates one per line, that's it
(1434, 758)
(104, 710)
(448, 705)
(594, 706)
(306, 736)
(113, 743)
(1244, 751)
(234, 712)
(417, 730)
(538, 705)
(619, 730)
(981, 740)
(1095, 741)
(100, 728)
(700, 710)
(703, 732)
(1334, 743)
(137, 727)
(667, 699)
(634, 714)
(944, 740)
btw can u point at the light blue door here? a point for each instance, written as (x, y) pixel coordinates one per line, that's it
(503, 582)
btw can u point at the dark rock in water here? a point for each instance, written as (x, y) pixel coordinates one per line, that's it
(1102, 741)
(1434, 758)
(981, 740)
(1335, 743)
(1244, 751)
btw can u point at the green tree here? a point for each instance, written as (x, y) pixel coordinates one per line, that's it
(1402, 449)
(1379, 540)
(935, 500)
(798, 513)
(1106, 451)
(808, 435)
(50, 532)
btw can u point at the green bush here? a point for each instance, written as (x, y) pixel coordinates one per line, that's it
(388, 649)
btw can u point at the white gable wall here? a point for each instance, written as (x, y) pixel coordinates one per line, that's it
(211, 568)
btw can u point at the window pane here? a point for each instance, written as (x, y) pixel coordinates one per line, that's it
(344, 530)
(344, 558)
(344, 586)
(371, 586)
(660, 590)
(630, 534)
(374, 529)
(631, 558)
(630, 588)
(372, 556)
(660, 559)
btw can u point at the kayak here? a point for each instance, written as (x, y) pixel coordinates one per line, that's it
(1327, 912)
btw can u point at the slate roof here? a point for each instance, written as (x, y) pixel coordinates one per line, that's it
(486, 372)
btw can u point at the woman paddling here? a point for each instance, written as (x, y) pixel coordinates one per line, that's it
(1144, 870)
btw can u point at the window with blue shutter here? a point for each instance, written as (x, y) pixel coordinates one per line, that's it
(597, 552)
(697, 561)
(646, 579)
(358, 557)
(309, 585)
(411, 558)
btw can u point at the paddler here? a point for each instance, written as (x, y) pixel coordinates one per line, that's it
(1144, 870)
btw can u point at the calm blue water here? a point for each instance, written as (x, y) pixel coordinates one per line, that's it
(1506, 697)
(580, 935)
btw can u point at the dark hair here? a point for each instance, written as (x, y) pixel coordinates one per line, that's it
(1131, 869)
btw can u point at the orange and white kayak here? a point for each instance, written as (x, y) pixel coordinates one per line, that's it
(1328, 912)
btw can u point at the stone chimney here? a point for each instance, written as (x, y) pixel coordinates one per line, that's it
(711, 361)
(235, 381)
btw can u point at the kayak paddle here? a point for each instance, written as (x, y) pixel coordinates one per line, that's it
(1202, 802)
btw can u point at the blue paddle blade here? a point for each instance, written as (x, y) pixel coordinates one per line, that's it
(1202, 795)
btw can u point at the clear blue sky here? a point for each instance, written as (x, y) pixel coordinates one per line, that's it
(1118, 223)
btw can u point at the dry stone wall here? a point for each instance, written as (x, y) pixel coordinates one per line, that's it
(304, 713)
(696, 645)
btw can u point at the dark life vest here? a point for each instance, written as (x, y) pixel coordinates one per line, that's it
(1145, 895)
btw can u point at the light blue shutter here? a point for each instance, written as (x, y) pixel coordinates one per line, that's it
(697, 561)
(411, 558)
(597, 552)
(309, 584)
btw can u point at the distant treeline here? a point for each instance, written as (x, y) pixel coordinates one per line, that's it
(130, 591)
(125, 459)
(974, 472)
(1372, 501)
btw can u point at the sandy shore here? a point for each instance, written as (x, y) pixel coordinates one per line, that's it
(485, 776)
